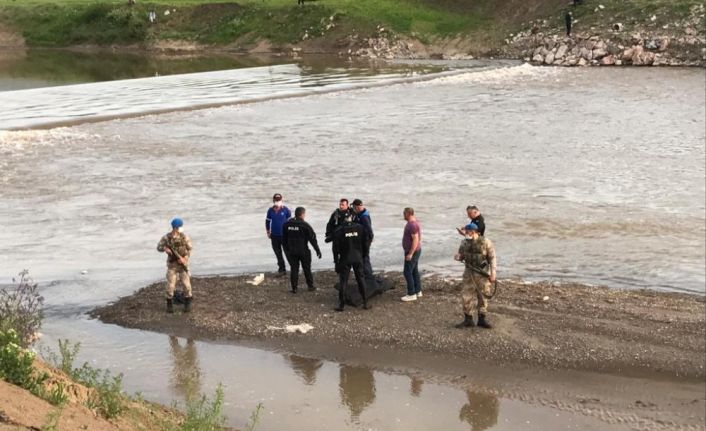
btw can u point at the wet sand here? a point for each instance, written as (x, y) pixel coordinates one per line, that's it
(633, 358)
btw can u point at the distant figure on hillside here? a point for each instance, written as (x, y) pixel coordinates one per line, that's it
(568, 18)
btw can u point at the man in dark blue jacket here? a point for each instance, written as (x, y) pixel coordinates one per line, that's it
(277, 216)
(366, 222)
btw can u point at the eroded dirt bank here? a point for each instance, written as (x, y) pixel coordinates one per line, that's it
(630, 333)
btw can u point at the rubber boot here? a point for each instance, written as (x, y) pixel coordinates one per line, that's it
(170, 306)
(293, 290)
(366, 306)
(467, 322)
(187, 304)
(483, 323)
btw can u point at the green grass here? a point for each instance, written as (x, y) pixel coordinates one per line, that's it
(73, 22)
(220, 22)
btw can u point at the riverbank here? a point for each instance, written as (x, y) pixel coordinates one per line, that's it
(663, 32)
(20, 410)
(543, 326)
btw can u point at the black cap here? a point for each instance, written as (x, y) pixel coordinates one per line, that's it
(357, 202)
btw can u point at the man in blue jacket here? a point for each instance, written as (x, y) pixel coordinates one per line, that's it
(277, 216)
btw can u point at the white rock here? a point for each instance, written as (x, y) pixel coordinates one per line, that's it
(84, 272)
(546, 298)
(561, 51)
(166, 12)
(549, 59)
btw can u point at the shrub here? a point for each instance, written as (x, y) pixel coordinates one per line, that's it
(204, 414)
(65, 360)
(16, 364)
(21, 309)
(56, 395)
(107, 397)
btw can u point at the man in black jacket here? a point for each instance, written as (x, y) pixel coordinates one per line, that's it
(475, 217)
(364, 219)
(337, 218)
(349, 249)
(296, 236)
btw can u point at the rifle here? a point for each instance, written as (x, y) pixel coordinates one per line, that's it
(484, 273)
(178, 257)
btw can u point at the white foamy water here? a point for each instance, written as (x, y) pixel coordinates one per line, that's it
(61, 105)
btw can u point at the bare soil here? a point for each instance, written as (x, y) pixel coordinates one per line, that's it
(20, 410)
(636, 333)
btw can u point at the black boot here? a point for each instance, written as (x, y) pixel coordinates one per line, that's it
(312, 288)
(170, 306)
(340, 306)
(293, 290)
(187, 304)
(467, 322)
(483, 323)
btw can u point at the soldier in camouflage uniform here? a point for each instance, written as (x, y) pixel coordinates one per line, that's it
(478, 254)
(178, 248)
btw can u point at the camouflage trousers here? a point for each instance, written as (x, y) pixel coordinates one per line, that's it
(475, 286)
(174, 272)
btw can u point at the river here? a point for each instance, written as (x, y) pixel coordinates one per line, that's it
(589, 175)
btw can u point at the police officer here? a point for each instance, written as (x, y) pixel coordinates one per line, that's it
(364, 219)
(478, 253)
(349, 249)
(337, 218)
(178, 248)
(296, 236)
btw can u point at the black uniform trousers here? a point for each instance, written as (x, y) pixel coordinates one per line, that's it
(344, 273)
(277, 246)
(305, 260)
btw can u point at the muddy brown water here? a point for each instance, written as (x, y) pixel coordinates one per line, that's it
(573, 169)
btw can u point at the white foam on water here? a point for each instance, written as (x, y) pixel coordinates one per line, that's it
(522, 72)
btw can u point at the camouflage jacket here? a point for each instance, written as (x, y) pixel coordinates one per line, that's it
(478, 253)
(181, 244)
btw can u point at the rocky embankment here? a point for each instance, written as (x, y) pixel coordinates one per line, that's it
(676, 43)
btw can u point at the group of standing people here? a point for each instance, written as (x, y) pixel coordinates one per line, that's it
(350, 231)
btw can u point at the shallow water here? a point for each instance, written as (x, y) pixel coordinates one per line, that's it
(582, 175)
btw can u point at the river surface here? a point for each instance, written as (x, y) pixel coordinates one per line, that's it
(587, 175)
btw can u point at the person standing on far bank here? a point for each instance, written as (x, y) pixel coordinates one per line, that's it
(297, 234)
(478, 254)
(277, 216)
(178, 248)
(568, 19)
(412, 246)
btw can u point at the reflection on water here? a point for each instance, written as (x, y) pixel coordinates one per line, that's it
(481, 412)
(357, 389)
(186, 375)
(415, 386)
(305, 368)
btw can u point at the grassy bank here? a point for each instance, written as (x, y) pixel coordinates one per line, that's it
(478, 26)
(72, 22)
